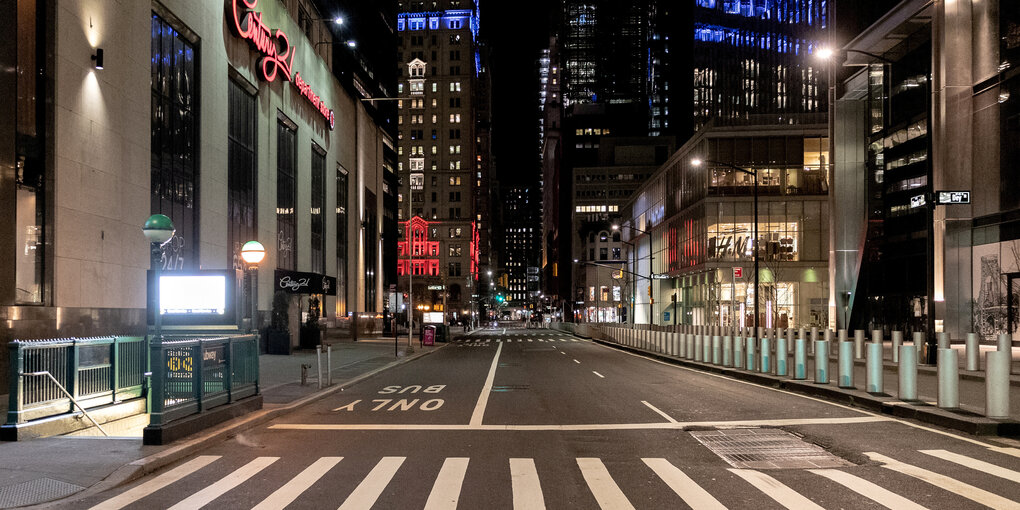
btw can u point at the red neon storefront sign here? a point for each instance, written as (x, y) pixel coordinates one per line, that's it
(277, 52)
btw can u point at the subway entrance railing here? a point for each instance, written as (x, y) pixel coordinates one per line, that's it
(192, 374)
(54, 377)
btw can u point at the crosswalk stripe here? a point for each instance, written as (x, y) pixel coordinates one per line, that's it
(602, 486)
(950, 484)
(130, 496)
(979, 465)
(291, 490)
(225, 484)
(446, 491)
(573, 339)
(371, 487)
(776, 490)
(692, 493)
(869, 490)
(527, 489)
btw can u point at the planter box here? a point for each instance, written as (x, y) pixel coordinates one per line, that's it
(277, 342)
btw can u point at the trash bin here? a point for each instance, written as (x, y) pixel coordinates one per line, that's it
(428, 336)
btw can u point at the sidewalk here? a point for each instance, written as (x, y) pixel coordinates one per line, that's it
(48, 469)
(968, 418)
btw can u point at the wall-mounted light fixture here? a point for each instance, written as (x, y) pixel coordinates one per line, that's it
(98, 58)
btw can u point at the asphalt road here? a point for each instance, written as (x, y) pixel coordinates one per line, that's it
(529, 419)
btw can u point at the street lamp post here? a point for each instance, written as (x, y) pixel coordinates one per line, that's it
(158, 229)
(252, 253)
(697, 162)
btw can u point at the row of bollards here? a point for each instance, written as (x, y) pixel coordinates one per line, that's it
(768, 350)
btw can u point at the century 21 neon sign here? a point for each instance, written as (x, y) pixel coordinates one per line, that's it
(277, 52)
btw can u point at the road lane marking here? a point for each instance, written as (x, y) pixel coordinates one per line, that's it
(564, 353)
(446, 491)
(602, 486)
(130, 496)
(664, 415)
(527, 489)
(944, 482)
(776, 490)
(979, 465)
(225, 484)
(692, 493)
(291, 490)
(575, 361)
(788, 422)
(598, 374)
(368, 491)
(869, 490)
(483, 399)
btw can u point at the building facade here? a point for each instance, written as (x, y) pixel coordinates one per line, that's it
(443, 151)
(932, 108)
(691, 227)
(177, 108)
(521, 245)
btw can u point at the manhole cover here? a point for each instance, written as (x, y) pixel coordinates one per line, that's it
(766, 449)
(35, 491)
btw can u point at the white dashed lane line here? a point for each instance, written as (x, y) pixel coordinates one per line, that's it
(598, 374)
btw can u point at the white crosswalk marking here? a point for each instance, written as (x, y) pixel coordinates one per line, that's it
(602, 486)
(225, 484)
(371, 487)
(979, 465)
(291, 490)
(692, 493)
(869, 490)
(950, 484)
(127, 497)
(446, 491)
(776, 490)
(527, 489)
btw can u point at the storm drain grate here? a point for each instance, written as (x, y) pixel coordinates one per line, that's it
(766, 449)
(35, 491)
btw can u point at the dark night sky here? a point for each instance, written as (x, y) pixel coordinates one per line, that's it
(515, 32)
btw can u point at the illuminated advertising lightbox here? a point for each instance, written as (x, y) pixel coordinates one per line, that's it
(195, 298)
(432, 318)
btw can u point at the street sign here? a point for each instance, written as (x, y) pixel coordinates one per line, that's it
(738, 272)
(660, 276)
(917, 201)
(617, 275)
(952, 197)
(436, 287)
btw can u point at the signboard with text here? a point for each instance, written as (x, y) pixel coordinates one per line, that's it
(297, 282)
(738, 272)
(952, 197)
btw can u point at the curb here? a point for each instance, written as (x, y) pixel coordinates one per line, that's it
(960, 419)
(147, 465)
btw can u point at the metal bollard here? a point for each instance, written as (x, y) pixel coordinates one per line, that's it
(697, 348)
(690, 346)
(761, 332)
(846, 364)
(716, 349)
(814, 333)
(738, 352)
(765, 365)
(789, 341)
(908, 372)
(874, 382)
(858, 344)
(841, 336)
(943, 340)
(749, 351)
(897, 341)
(877, 336)
(827, 335)
(781, 355)
(727, 351)
(329, 365)
(683, 345)
(318, 364)
(1004, 342)
(706, 349)
(973, 352)
(800, 359)
(997, 365)
(821, 362)
(949, 379)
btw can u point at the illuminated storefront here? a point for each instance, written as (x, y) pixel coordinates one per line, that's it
(700, 226)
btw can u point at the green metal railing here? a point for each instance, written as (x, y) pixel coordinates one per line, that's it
(193, 374)
(89, 372)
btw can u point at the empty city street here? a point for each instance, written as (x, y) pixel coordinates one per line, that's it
(541, 419)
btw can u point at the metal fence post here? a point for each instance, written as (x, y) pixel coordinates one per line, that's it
(949, 379)
(228, 379)
(114, 368)
(157, 382)
(16, 389)
(72, 372)
(997, 366)
(198, 373)
(973, 352)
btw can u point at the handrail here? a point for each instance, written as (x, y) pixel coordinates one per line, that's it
(75, 402)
